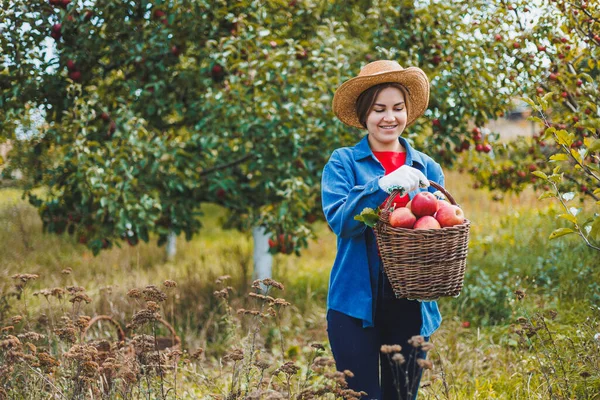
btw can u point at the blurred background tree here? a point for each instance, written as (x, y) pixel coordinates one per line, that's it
(131, 115)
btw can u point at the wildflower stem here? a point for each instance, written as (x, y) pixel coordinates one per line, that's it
(160, 372)
(46, 380)
(443, 374)
(557, 354)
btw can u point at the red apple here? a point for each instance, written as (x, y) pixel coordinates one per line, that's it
(427, 222)
(302, 55)
(310, 218)
(70, 65)
(424, 203)
(449, 216)
(112, 127)
(443, 203)
(217, 72)
(409, 204)
(402, 218)
(487, 148)
(75, 75)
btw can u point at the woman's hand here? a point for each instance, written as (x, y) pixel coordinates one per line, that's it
(405, 178)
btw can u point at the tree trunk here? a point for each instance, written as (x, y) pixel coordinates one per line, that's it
(171, 247)
(263, 260)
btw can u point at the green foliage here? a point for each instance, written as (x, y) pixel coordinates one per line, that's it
(143, 112)
(368, 216)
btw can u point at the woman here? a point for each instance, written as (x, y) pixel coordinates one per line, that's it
(362, 312)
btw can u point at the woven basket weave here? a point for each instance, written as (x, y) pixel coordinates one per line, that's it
(423, 264)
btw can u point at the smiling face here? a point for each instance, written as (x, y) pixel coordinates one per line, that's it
(386, 120)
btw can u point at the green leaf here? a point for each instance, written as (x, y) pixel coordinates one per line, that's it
(368, 216)
(564, 138)
(559, 157)
(549, 132)
(560, 232)
(595, 232)
(595, 146)
(555, 178)
(540, 174)
(530, 102)
(591, 63)
(535, 119)
(568, 217)
(576, 155)
(546, 195)
(548, 96)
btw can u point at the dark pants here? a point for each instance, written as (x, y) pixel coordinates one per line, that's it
(358, 349)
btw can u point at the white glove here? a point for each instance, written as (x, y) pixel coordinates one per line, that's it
(404, 178)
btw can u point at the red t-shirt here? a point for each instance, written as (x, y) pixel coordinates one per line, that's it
(391, 161)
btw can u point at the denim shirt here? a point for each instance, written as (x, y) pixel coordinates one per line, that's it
(350, 182)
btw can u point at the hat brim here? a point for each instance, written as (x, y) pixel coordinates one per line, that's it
(413, 79)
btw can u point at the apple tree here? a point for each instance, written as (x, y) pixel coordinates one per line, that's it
(152, 108)
(558, 73)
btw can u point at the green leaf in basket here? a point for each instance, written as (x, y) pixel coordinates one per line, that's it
(368, 216)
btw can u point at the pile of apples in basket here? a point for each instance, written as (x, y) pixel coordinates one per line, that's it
(425, 211)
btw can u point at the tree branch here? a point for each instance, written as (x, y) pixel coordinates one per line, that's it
(225, 166)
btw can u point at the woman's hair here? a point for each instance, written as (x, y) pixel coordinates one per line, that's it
(365, 101)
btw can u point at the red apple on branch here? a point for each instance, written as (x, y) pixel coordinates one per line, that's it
(75, 76)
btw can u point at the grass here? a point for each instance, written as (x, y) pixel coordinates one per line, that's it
(479, 352)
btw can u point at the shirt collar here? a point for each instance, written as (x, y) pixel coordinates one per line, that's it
(363, 150)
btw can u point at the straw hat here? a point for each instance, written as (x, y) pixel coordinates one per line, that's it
(413, 79)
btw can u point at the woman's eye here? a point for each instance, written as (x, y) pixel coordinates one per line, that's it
(397, 110)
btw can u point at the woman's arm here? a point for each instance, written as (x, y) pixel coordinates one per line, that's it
(342, 200)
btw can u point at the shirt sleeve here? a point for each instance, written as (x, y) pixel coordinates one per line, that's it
(342, 200)
(437, 175)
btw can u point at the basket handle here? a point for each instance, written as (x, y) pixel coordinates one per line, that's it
(120, 332)
(396, 192)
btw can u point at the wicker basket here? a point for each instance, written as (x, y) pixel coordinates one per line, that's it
(423, 264)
